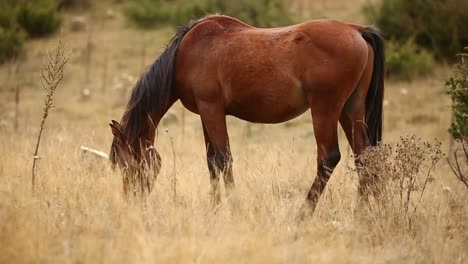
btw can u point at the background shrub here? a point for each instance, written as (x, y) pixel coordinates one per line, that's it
(261, 13)
(151, 13)
(11, 43)
(458, 90)
(187, 11)
(437, 25)
(11, 37)
(148, 13)
(406, 61)
(7, 13)
(38, 18)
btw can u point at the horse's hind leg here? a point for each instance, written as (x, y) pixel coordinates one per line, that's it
(217, 147)
(353, 123)
(325, 122)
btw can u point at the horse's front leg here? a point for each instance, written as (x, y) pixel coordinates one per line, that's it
(218, 153)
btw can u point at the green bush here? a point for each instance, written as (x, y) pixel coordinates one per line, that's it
(38, 18)
(151, 13)
(184, 13)
(261, 13)
(458, 90)
(148, 13)
(11, 37)
(405, 61)
(7, 13)
(437, 25)
(11, 43)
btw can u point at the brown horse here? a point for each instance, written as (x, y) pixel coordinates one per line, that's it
(220, 66)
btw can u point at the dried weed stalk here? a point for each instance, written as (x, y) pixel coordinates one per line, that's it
(400, 176)
(17, 103)
(52, 75)
(459, 169)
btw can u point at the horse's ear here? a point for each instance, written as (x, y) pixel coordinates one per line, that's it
(116, 124)
(116, 130)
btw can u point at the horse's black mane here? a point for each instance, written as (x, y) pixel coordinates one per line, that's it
(152, 91)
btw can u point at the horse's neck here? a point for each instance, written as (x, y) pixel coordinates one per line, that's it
(155, 118)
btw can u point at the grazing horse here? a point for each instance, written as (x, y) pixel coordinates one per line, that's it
(219, 66)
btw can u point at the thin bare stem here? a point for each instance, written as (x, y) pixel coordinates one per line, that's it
(457, 171)
(52, 75)
(426, 181)
(17, 101)
(174, 174)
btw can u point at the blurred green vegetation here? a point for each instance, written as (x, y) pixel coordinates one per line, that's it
(458, 90)
(438, 26)
(38, 17)
(19, 19)
(153, 13)
(406, 60)
(11, 35)
(11, 43)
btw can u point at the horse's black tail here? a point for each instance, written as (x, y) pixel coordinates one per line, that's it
(154, 89)
(375, 95)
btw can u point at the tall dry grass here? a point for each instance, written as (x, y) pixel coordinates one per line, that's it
(79, 214)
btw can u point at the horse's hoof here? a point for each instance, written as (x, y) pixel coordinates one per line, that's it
(306, 212)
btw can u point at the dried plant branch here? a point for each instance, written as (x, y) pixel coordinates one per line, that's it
(402, 176)
(457, 169)
(51, 75)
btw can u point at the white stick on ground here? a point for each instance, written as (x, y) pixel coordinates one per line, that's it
(95, 152)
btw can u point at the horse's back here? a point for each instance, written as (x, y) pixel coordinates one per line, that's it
(228, 42)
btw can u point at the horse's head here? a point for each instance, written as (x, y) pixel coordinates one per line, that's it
(133, 156)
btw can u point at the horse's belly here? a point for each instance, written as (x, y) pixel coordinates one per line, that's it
(269, 106)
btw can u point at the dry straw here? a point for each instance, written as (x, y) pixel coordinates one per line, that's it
(51, 76)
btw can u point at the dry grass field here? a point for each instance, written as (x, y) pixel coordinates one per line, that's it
(80, 216)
